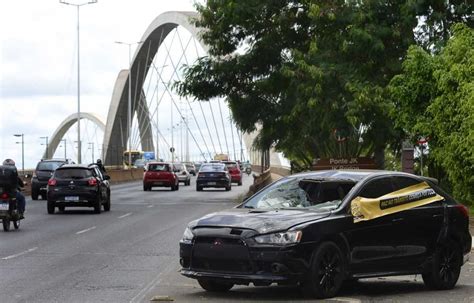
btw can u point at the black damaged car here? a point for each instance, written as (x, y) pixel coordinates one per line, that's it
(319, 229)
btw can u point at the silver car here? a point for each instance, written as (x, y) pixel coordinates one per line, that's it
(183, 175)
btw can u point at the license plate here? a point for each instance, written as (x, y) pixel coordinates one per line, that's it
(3, 206)
(211, 183)
(71, 198)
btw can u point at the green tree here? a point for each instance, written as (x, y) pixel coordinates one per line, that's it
(309, 72)
(434, 96)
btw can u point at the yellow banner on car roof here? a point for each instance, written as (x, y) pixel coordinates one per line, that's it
(364, 209)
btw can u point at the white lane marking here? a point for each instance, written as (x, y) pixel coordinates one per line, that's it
(150, 206)
(142, 294)
(85, 230)
(472, 243)
(123, 216)
(20, 254)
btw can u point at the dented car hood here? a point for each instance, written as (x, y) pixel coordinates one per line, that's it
(260, 220)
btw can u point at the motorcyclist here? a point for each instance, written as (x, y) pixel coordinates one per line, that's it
(101, 166)
(20, 199)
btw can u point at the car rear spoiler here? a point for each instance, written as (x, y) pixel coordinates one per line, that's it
(432, 180)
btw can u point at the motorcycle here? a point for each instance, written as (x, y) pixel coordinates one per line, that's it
(9, 210)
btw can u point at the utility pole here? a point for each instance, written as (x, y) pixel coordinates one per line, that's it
(78, 77)
(64, 142)
(91, 146)
(47, 146)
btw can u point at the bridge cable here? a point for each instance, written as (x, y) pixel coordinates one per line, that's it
(187, 99)
(223, 126)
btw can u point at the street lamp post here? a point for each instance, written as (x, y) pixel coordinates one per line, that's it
(22, 151)
(91, 146)
(47, 146)
(78, 77)
(64, 142)
(129, 114)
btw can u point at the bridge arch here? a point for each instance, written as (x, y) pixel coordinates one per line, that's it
(116, 131)
(64, 127)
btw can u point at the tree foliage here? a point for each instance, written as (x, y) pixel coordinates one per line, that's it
(309, 72)
(434, 96)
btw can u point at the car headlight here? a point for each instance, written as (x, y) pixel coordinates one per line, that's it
(289, 237)
(187, 235)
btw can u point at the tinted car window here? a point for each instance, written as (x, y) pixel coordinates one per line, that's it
(377, 188)
(49, 165)
(212, 167)
(73, 173)
(402, 182)
(158, 167)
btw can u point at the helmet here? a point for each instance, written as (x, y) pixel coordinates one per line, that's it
(9, 162)
(99, 161)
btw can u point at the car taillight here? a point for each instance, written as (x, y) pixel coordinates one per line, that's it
(4, 196)
(201, 175)
(463, 209)
(52, 182)
(92, 182)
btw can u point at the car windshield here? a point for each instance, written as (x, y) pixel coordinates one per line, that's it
(73, 173)
(212, 167)
(189, 166)
(311, 194)
(49, 165)
(231, 165)
(158, 167)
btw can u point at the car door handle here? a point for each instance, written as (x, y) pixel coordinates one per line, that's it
(397, 220)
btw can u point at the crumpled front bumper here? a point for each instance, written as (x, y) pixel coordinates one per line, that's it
(244, 265)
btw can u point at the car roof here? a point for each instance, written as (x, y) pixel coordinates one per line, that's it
(157, 162)
(355, 175)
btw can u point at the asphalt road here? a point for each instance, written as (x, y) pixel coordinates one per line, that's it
(130, 254)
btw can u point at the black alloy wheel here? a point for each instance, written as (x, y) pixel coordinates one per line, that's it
(214, 285)
(50, 207)
(98, 205)
(34, 195)
(107, 203)
(327, 272)
(6, 224)
(446, 267)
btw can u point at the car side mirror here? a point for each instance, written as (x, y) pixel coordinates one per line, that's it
(107, 177)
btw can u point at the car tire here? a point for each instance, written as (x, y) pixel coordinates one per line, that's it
(34, 195)
(61, 208)
(215, 286)
(240, 183)
(107, 203)
(177, 186)
(228, 188)
(6, 224)
(98, 206)
(51, 207)
(444, 271)
(325, 283)
(198, 188)
(16, 224)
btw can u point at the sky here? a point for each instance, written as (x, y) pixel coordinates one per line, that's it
(38, 59)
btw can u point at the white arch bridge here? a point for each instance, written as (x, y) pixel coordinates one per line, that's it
(161, 119)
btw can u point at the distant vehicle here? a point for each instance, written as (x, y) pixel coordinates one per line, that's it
(198, 165)
(183, 175)
(135, 154)
(76, 185)
(191, 168)
(221, 157)
(213, 175)
(319, 229)
(140, 163)
(159, 174)
(44, 170)
(234, 171)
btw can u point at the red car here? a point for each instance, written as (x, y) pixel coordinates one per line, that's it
(234, 171)
(159, 174)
